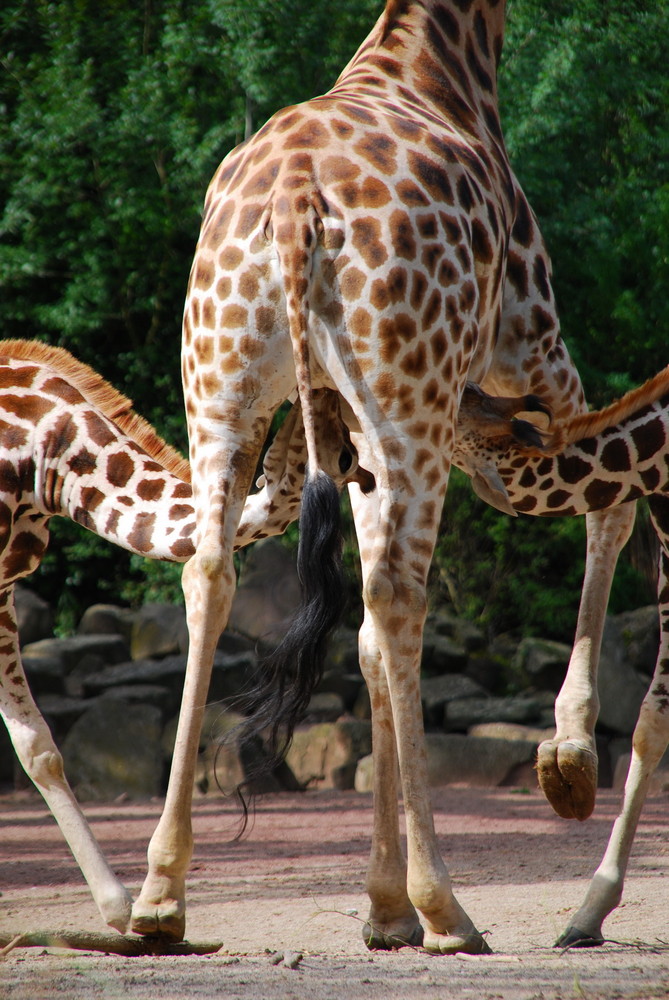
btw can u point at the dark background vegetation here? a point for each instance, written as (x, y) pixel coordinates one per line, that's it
(113, 117)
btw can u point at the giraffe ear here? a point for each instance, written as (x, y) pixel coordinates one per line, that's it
(487, 484)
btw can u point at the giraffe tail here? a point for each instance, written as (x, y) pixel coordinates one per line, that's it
(289, 674)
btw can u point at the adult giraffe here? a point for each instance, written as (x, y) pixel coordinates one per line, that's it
(373, 241)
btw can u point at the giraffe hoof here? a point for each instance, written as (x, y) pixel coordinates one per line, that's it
(385, 939)
(452, 944)
(574, 938)
(568, 777)
(163, 924)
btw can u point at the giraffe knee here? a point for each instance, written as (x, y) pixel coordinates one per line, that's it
(385, 589)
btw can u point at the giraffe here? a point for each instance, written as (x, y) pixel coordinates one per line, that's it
(591, 461)
(71, 446)
(375, 242)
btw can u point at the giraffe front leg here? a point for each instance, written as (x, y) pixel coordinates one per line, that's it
(650, 740)
(567, 764)
(160, 910)
(43, 764)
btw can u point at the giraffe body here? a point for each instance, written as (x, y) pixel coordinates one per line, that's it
(593, 461)
(373, 242)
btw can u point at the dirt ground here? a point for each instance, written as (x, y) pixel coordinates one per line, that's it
(296, 884)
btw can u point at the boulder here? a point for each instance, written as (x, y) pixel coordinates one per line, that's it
(436, 692)
(542, 662)
(326, 755)
(79, 655)
(461, 714)
(621, 687)
(106, 619)
(442, 655)
(157, 630)
(640, 634)
(33, 616)
(268, 593)
(455, 759)
(114, 749)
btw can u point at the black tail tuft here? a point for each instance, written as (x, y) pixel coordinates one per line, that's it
(290, 674)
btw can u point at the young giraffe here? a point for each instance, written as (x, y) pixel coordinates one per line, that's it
(72, 447)
(373, 241)
(593, 461)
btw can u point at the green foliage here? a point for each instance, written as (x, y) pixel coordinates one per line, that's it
(113, 117)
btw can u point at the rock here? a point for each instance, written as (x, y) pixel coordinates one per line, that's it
(342, 652)
(346, 686)
(268, 593)
(143, 694)
(462, 713)
(462, 760)
(511, 731)
(442, 655)
(33, 616)
(79, 655)
(640, 633)
(106, 619)
(326, 756)
(542, 662)
(621, 687)
(61, 712)
(45, 674)
(324, 706)
(659, 782)
(436, 692)
(157, 631)
(114, 749)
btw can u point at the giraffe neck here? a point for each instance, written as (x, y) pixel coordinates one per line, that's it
(615, 465)
(436, 59)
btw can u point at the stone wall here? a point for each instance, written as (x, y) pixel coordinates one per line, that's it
(111, 695)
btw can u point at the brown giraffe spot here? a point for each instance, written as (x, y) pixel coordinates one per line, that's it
(98, 430)
(430, 257)
(249, 285)
(265, 320)
(358, 114)
(601, 493)
(649, 438)
(433, 309)
(261, 183)
(111, 527)
(230, 258)
(418, 289)
(409, 192)
(208, 317)
(22, 377)
(367, 239)
(650, 479)
(12, 436)
(83, 463)
(341, 129)
(402, 235)
(339, 169)
(516, 273)
(234, 317)
(352, 282)
(438, 346)
(203, 273)
(142, 532)
(63, 390)
(182, 549)
(27, 407)
(414, 363)
(432, 177)
(615, 456)
(230, 365)
(150, 489)
(310, 135)
(120, 468)
(573, 469)
(361, 323)
(26, 549)
(523, 230)
(379, 150)
(249, 217)
(203, 348)
(481, 245)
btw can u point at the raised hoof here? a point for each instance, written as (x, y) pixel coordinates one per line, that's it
(377, 939)
(567, 774)
(452, 944)
(574, 938)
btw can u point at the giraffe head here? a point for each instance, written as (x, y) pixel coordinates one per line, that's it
(486, 424)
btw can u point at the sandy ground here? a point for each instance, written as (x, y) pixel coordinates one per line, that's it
(296, 884)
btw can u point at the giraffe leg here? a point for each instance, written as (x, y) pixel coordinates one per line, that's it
(43, 764)
(208, 585)
(393, 921)
(567, 764)
(394, 570)
(651, 737)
